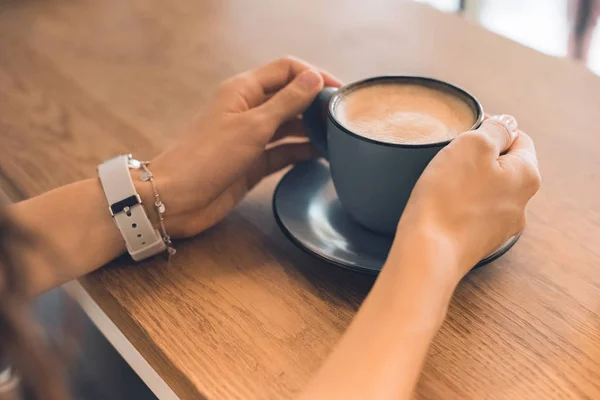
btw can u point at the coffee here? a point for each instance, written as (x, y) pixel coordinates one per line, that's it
(404, 113)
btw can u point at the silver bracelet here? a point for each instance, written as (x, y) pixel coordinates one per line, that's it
(146, 176)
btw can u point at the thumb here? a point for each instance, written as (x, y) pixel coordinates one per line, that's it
(294, 98)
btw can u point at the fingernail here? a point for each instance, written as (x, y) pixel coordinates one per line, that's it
(309, 79)
(508, 121)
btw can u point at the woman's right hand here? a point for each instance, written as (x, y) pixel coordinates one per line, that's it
(468, 201)
(472, 197)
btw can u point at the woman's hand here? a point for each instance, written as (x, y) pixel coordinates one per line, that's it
(250, 130)
(468, 201)
(473, 195)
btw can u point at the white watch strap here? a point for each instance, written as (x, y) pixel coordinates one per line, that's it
(126, 207)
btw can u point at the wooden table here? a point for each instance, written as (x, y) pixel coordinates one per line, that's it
(240, 312)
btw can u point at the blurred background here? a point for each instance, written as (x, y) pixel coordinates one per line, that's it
(561, 28)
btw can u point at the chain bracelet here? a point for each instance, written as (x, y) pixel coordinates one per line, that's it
(145, 176)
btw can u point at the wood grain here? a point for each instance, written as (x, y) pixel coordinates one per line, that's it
(241, 313)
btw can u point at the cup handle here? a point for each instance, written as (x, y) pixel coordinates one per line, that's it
(315, 119)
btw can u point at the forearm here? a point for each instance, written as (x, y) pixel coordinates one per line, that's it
(382, 353)
(73, 234)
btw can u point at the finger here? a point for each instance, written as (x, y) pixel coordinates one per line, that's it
(292, 99)
(523, 148)
(292, 128)
(279, 73)
(285, 154)
(501, 130)
(522, 158)
(257, 86)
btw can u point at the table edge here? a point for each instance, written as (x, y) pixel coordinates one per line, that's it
(118, 340)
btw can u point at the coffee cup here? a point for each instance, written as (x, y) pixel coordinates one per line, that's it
(379, 134)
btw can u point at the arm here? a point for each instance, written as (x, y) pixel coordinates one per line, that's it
(381, 354)
(73, 233)
(241, 137)
(469, 200)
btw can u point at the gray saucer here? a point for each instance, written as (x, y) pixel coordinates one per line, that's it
(309, 213)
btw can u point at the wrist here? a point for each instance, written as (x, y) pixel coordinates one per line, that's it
(413, 297)
(415, 288)
(428, 250)
(172, 216)
(144, 190)
(426, 263)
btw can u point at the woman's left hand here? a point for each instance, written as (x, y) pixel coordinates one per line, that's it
(251, 129)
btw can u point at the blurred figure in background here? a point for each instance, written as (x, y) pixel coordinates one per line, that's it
(584, 16)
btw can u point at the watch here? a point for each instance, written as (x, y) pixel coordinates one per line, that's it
(125, 206)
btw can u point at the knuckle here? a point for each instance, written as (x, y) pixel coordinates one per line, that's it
(477, 142)
(285, 60)
(531, 177)
(501, 130)
(535, 179)
(243, 80)
(283, 63)
(240, 80)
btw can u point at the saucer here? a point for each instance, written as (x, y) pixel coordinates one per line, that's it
(309, 213)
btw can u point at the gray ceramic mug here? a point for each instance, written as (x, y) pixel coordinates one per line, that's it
(374, 179)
